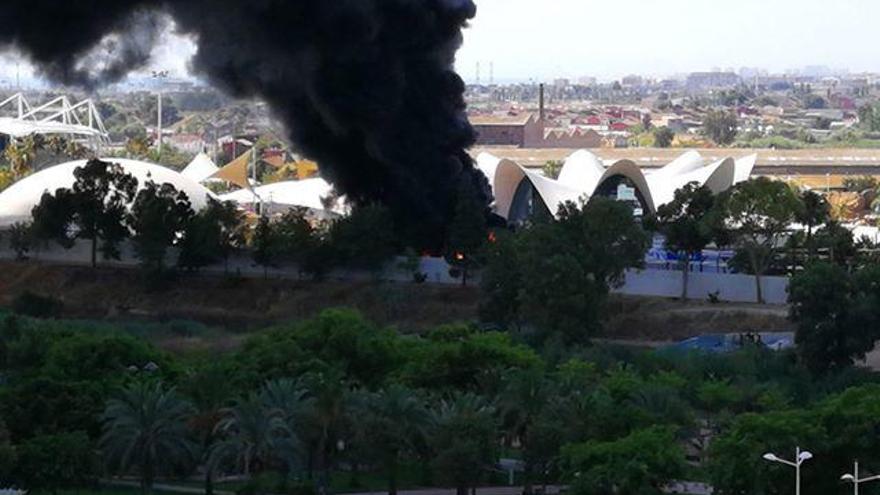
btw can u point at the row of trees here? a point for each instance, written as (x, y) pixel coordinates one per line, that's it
(757, 219)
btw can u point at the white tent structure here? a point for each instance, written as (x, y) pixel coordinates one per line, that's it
(17, 201)
(279, 196)
(517, 189)
(200, 168)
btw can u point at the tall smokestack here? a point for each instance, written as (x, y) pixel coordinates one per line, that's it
(541, 102)
(366, 88)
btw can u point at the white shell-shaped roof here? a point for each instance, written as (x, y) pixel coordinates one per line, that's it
(307, 193)
(17, 201)
(583, 174)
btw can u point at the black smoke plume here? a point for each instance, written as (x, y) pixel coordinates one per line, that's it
(364, 87)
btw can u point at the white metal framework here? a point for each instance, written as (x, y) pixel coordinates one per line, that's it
(18, 118)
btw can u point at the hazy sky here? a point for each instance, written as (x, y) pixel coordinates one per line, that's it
(610, 38)
(543, 39)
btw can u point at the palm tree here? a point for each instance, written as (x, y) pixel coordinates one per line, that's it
(464, 440)
(20, 155)
(523, 402)
(813, 211)
(208, 388)
(251, 434)
(145, 428)
(329, 394)
(395, 418)
(289, 400)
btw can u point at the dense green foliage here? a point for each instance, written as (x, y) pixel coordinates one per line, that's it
(553, 277)
(338, 392)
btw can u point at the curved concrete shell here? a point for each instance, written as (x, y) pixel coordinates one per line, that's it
(583, 175)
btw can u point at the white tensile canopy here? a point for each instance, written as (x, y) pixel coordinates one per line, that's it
(200, 168)
(308, 193)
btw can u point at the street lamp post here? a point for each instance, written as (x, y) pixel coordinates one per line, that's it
(159, 76)
(799, 458)
(855, 480)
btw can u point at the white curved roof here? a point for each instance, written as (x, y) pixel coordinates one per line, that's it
(307, 193)
(583, 173)
(200, 168)
(581, 169)
(17, 201)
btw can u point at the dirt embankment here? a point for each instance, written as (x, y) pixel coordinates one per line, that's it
(240, 305)
(659, 319)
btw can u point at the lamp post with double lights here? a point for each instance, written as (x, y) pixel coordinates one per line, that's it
(855, 480)
(799, 457)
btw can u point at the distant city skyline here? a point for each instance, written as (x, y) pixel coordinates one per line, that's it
(523, 40)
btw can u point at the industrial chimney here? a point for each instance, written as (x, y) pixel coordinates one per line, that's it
(541, 102)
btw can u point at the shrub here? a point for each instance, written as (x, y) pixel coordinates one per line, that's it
(30, 304)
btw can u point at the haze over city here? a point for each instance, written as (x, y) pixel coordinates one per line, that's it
(526, 40)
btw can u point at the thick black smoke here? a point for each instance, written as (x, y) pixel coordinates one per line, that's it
(365, 87)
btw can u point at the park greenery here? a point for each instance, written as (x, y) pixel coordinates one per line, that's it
(337, 402)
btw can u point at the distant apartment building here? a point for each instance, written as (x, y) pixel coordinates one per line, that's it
(632, 81)
(708, 80)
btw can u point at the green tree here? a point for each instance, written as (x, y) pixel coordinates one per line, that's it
(299, 239)
(835, 315)
(720, 126)
(21, 239)
(58, 461)
(208, 387)
(394, 421)
(102, 192)
(329, 395)
(813, 212)
(642, 462)
(524, 405)
(464, 440)
(758, 213)
(159, 215)
(145, 428)
(736, 466)
(569, 266)
(460, 357)
(687, 225)
(265, 245)
(552, 168)
(663, 137)
(501, 281)
(467, 235)
(251, 435)
(212, 235)
(20, 154)
(52, 218)
(364, 240)
(838, 241)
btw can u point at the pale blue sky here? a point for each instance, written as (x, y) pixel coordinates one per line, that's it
(544, 39)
